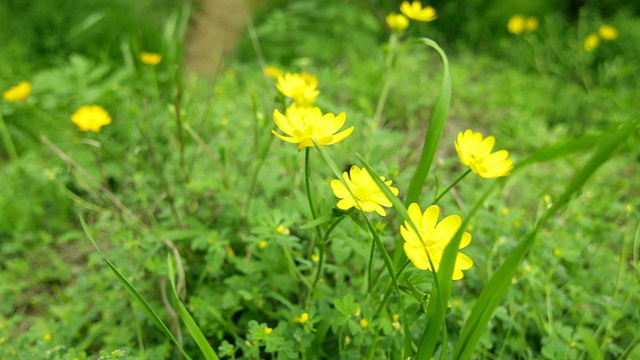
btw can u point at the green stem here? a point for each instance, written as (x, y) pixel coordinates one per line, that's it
(307, 184)
(386, 86)
(6, 139)
(322, 253)
(451, 186)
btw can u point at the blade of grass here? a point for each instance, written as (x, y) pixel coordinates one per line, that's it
(431, 141)
(501, 280)
(135, 294)
(188, 320)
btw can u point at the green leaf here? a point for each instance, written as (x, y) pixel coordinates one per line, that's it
(431, 141)
(501, 280)
(135, 294)
(189, 322)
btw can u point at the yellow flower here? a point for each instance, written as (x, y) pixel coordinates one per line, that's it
(475, 153)
(433, 239)
(608, 32)
(283, 230)
(230, 251)
(531, 24)
(516, 24)
(364, 323)
(263, 244)
(591, 42)
(90, 117)
(268, 330)
(302, 318)
(397, 22)
(272, 72)
(303, 124)
(557, 252)
(415, 11)
(368, 195)
(47, 337)
(150, 58)
(315, 258)
(300, 87)
(19, 92)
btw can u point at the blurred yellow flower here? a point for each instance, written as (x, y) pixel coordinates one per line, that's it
(516, 24)
(397, 22)
(263, 244)
(272, 72)
(268, 330)
(315, 258)
(47, 337)
(90, 117)
(531, 24)
(299, 87)
(302, 318)
(475, 153)
(591, 42)
(230, 251)
(283, 230)
(367, 193)
(608, 32)
(433, 239)
(150, 58)
(415, 11)
(303, 124)
(18, 92)
(364, 323)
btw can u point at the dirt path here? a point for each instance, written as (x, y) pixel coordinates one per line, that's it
(214, 32)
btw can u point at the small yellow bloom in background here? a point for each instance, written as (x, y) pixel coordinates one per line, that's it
(368, 195)
(517, 24)
(608, 32)
(505, 211)
(230, 251)
(18, 92)
(557, 252)
(268, 330)
(517, 224)
(272, 72)
(150, 58)
(358, 311)
(315, 258)
(224, 122)
(475, 152)
(263, 244)
(395, 317)
(91, 117)
(47, 337)
(303, 124)
(302, 318)
(302, 88)
(364, 323)
(547, 198)
(283, 230)
(528, 268)
(591, 42)
(531, 24)
(434, 238)
(397, 22)
(415, 11)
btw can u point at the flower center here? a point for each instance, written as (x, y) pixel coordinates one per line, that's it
(362, 193)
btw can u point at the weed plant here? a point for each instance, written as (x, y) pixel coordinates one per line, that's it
(338, 200)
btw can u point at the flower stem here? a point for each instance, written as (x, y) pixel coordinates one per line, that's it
(322, 253)
(451, 186)
(307, 184)
(6, 139)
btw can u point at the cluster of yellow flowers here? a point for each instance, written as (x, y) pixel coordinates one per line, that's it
(606, 32)
(413, 11)
(88, 117)
(519, 24)
(302, 121)
(303, 124)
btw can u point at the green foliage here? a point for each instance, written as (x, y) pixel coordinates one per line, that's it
(189, 171)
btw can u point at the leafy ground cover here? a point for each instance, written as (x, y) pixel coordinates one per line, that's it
(237, 240)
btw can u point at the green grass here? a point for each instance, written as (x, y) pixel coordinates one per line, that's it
(203, 182)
